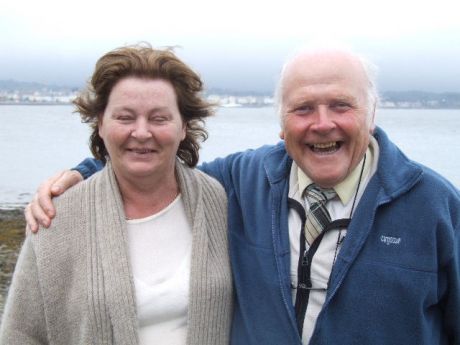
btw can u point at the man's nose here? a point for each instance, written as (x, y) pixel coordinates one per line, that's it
(323, 120)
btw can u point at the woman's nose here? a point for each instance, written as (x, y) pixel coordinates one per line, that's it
(141, 130)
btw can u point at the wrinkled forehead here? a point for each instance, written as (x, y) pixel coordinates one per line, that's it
(324, 68)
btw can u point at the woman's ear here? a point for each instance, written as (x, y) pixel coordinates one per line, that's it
(184, 131)
(99, 125)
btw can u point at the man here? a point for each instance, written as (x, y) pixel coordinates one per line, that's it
(335, 236)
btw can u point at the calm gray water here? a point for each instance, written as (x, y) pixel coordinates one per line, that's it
(38, 141)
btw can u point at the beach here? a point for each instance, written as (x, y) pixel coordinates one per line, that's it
(12, 225)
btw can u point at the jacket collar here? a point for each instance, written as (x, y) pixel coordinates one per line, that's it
(396, 173)
(277, 163)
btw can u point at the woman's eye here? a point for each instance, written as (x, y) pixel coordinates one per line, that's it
(159, 119)
(124, 117)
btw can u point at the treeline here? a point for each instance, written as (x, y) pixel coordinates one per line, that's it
(420, 99)
(11, 85)
(389, 99)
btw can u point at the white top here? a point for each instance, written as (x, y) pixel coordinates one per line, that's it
(160, 249)
(323, 259)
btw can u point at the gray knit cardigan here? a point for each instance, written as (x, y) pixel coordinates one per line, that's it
(73, 283)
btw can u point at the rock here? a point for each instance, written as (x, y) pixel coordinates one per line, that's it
(12, 225)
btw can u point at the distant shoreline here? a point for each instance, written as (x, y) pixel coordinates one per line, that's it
(31, 103)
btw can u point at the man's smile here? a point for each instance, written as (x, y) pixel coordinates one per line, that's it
(326, 148)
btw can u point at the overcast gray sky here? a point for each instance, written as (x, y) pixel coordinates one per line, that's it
(237, 44)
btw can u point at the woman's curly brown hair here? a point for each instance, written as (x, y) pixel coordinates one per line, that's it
(145, 62)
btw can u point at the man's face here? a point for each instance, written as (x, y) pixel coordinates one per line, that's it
(324, 108)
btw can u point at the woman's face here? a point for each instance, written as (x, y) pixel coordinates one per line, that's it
(142, 128)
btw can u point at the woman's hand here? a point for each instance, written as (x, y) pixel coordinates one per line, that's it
(41, 210)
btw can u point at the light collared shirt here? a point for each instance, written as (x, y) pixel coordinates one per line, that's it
(340, 206)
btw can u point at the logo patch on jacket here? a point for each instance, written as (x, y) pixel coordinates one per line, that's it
(390, 240)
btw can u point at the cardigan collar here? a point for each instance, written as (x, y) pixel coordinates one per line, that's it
(116, 305)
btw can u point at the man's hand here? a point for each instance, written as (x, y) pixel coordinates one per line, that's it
(41, 209)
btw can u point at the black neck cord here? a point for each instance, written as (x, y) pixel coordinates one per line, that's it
(304, 283)
(339, 237)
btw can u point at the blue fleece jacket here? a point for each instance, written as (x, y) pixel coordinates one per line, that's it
(396, 279)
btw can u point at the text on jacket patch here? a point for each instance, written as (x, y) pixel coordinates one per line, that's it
(390, 240)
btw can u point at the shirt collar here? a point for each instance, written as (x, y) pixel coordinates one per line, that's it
(345, 189)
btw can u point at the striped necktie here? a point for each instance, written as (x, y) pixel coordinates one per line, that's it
(318, 216)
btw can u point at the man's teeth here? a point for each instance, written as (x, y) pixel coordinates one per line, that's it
(325, 145)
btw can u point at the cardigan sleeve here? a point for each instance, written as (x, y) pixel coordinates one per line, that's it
(23, 321)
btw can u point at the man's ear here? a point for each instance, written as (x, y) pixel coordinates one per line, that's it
(372, 119)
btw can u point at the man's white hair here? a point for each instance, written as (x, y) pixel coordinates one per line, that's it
(370, 71)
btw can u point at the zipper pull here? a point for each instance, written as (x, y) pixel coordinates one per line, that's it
(305, 258)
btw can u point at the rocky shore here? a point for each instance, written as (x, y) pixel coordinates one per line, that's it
(12, 225)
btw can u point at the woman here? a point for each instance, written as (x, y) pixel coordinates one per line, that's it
(138, 253)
